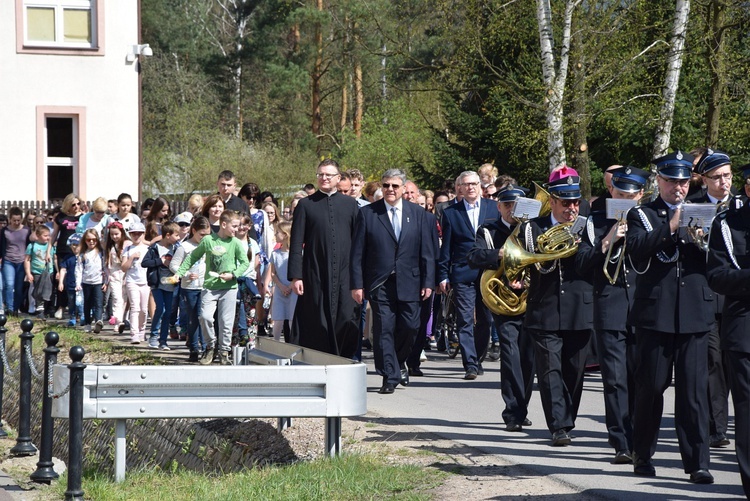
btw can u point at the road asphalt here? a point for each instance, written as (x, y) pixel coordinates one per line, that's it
(469, 412)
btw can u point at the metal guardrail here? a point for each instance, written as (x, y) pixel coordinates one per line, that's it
(273, 380)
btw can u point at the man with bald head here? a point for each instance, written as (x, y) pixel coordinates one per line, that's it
(411, 192)
(600, 204)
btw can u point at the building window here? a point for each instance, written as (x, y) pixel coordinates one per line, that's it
(60, 151)
(65, 24)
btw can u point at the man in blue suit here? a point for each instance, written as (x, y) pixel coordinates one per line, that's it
(393, 266)
(460, 223)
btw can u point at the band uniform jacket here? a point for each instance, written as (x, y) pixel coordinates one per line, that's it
(561, 299)
(674, 296)
(376, 254)
(611, 302)
(729, 274)
(481, 256)
(458, 240)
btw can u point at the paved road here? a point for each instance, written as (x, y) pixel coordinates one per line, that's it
(469, 412)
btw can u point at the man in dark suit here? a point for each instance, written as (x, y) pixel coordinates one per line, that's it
(516, 349)
(729, 274)
(715, 170)
(559, 312)
(393, 266)
(460, 223)
(612, 302)
(672, 313)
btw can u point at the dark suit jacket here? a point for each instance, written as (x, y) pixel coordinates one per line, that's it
(611, 302)
(725, 278)
(376, 254)
(560, 300)
(458, 240)
(669, 297)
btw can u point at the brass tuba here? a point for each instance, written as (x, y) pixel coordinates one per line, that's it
(555, 243)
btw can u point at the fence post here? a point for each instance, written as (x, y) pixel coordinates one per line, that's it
(23, 446)
(45, 471)
(3, 331)
(75, 421)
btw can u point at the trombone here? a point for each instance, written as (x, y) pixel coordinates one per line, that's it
(620, 258)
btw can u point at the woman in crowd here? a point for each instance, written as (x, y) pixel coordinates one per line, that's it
(63, 226)
(212, 209)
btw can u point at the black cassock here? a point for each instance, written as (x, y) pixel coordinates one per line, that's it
(326, 317)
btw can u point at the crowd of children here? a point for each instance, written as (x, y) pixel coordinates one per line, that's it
(195, 275)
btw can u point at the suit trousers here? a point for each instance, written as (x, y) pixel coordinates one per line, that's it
(739, 363)
(560, 366)
(616, 358)
(473, 339)
(516, 367)
(425, 311)
(657, 354)
(395, 324)
(718, 379)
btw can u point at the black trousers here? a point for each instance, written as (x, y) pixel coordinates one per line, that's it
(657, 354)
(395, 324)
(739, 363)
(516, 367)
(425, 311)
(718, 383)
(616, 359)
(560, 363)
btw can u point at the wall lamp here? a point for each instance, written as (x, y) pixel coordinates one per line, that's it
(138, 50)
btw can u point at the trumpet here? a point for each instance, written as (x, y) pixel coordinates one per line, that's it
(620, 258)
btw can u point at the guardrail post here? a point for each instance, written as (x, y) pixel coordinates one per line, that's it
(3, 331)
(45, 471)
(75, 421)
(23, 446)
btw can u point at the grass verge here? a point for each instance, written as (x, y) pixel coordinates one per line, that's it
(348, 477)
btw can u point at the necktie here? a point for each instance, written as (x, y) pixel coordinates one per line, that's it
(396, 223)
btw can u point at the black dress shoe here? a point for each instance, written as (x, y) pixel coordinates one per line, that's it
(387, 389)
(527, 422)
(701, 477)
(404, 377)
(622, 457)
(513, 427)
(719, 440)
(480, 371)
(470, 375)
(560, 438)
(417, 372)
(643, 467)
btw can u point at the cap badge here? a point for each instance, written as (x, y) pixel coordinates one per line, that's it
(570, 180)
(628, 171)
(679, 155)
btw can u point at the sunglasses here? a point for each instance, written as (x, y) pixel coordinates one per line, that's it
(183, 225)
(75, 204)
(92, 240)
(570, 203)
(389, 185)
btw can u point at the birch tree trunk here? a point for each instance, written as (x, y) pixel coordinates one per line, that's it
(672, 78)
(717, 66)
(554, 76)
(359, 99)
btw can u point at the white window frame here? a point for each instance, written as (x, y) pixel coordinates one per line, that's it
(59, 6)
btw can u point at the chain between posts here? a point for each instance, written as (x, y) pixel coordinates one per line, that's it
(32, 366)
(6, 365)
(50, 386)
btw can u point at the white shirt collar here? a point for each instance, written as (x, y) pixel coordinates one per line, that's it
(399, 205)
(470, 206)
(555, 222)
(715, 200)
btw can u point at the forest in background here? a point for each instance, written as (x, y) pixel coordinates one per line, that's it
(266, 88)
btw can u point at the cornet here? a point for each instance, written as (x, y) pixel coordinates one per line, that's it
(620, 258)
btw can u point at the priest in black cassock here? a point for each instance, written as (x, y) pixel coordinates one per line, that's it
(326, 317)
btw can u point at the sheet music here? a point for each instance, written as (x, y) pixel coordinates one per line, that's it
(578, 225)
(698, 215)
(617, 208)
(526, 208)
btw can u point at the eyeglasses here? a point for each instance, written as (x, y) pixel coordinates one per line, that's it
(40, 221)
(183, 225)
(325, 175)
(75, 204)
(569, 203)
(470, 185)
(681, 182)
(91, 240)
(718, 177)
(389, 185)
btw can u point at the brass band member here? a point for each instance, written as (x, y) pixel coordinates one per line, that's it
(516, 349)
(716, 172)
(602, 254)
(672, 314)
(559, 313)
(729, 274)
